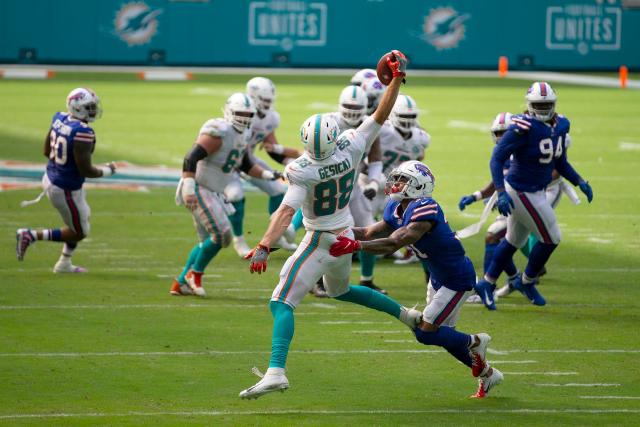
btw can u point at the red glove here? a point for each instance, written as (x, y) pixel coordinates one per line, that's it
(344, 245)
(399, 65)
(258, 257)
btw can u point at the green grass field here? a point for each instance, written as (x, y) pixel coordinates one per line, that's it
(113, 348)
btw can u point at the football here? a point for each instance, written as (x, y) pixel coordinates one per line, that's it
(384, 72)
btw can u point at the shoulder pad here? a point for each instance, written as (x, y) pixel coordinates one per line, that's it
(276, 118)
(423, 209)
(422, 137)
(520, 124)
(215, 127)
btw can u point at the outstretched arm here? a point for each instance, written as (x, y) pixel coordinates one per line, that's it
(400, 238)
(374, 231)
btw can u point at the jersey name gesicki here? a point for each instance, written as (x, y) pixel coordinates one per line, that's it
(335, 169)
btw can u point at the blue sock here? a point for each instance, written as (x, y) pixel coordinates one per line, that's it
(192, 258)
(538, 258)
(456, 343)
(237, 218)
(489, 249)
(501, 257)
(274, 202)
(297, 220)
(367, 263)
(208, 250)
(283, 328)
(373, 299)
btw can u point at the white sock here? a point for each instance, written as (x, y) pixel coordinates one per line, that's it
(275, 371)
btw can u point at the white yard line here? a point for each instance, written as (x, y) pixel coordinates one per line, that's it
(580, 385)
(206, 353)
(552, 373)
(611, 397)
(223, 413)
(356, 322)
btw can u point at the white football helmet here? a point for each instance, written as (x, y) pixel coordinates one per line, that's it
(318, 134)
(353, 104)
(374, 89)
(239, 111)
(410, 180)
(404, 114)
(84, 104)
(500, 125)
(541, 101)
(362, 75)
(262, 92)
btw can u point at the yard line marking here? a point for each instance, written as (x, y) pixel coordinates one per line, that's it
(513, 362)
(553, 374)
(580, 385)
(347, 322)
(599, 240)
(214, 413)
(629, 146)
(462, 124)
(368, 331)
(611, 397)
(571, 351)
(496, 352)
(209, 353)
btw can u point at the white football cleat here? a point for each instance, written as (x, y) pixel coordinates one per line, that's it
(493, 378)
(474, 299)
(479, 364)
(508, 288)
(284, 244)
(241, 247)
(410, 317)
(273, 380)
(408, 260)
(65, 266)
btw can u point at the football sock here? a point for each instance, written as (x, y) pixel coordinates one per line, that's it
(367, 263)
(274, 202)
(373, 299)
(489, 249)
(68, 248)
(456, 343)
(237, 218)
(297, 220)
(538, 258)
(192, 258)
(53, 234)
(208, 250)
(526, 249)
(510, 268)
(283, 328)
(501, 257)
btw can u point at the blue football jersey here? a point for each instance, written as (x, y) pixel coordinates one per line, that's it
(440, 249)
(536, 149)
(64, 133)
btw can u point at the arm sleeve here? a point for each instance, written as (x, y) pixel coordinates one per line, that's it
(374, 171)
(277, 157)
(294, 197)
(247, 162)
(501, 153)
(369, 130)
(565, 169)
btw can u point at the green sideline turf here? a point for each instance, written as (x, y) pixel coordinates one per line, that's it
(113, 348)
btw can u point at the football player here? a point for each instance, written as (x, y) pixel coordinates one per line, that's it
(263, 94)
(68, 145)
(361, 75)
(321, 182)
(537, 143)
(374, 89)
(414, 218)
(220, 148)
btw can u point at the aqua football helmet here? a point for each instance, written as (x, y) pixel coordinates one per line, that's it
(84, 104)
(410, 180)
(541, 101)
(404, 114)
(318, 134)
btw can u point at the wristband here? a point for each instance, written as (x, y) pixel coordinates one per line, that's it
(277, 149)
(106, 171)
(188, 186)
(267, 174)
(477, 195)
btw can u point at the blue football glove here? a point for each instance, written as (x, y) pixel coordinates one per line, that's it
(466, 201)
(505, 203)
(586, 189)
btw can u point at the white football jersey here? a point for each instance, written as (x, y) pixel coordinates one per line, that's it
(263, 127)
(214, 171)
(395, 149)
(328, 183)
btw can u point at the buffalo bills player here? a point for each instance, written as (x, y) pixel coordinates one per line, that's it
(68, 145)
(414, 218)
(536, 143)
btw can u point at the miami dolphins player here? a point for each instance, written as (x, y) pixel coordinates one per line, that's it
(68, 145)
(220, 148)
(321, 182)
(262, 92)
(414, 218)
(537, 143)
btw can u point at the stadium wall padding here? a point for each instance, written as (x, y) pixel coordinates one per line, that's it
(541, 34)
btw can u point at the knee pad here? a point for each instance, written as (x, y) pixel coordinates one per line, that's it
(234, 192)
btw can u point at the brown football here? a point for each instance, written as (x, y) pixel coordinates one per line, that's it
(384, 72)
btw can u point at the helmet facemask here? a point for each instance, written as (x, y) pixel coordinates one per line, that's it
(410, 180)
(542, 110)
(83, 104)
(352, 113)
(239, 111)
